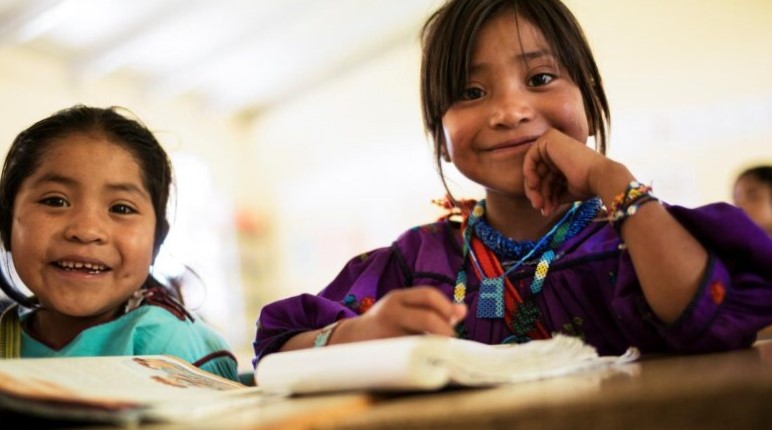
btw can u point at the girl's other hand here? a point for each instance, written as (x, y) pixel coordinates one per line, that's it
(416, 310)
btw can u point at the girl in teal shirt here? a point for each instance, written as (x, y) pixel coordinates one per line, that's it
(83, 199)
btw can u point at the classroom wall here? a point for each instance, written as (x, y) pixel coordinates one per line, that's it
(690, 85)
(690, 88)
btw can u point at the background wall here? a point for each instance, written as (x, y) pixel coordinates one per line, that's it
(344, 166)
(690, 88)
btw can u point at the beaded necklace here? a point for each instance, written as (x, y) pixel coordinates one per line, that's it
(485, 246)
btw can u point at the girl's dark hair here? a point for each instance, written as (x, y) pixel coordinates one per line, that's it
(760, 173)
(30, 146)
(449, 36)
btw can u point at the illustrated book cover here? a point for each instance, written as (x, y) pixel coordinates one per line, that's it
(119, 389)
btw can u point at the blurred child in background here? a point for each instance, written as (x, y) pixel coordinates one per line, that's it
(753, 194)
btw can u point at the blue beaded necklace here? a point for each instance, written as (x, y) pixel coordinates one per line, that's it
(508, 249)
(491, 302)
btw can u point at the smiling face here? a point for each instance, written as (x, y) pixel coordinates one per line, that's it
(516, 91)
(83, 227)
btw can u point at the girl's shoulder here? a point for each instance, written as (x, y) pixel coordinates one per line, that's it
(156, 330)
(434, 248)
(153, 317)
(727, 231)
(427, 248)
(710, 213)
(158, 323)
(719, 226)
(442, 233)
(438, 237)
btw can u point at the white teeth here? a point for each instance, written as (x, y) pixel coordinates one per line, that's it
(70, 265)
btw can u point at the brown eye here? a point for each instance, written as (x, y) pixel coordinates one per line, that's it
(472, 93)
(57, 202)
(122, 209)
(540, 79)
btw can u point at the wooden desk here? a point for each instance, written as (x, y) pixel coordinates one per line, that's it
(715, 391)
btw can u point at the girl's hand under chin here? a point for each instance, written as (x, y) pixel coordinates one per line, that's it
(559, 169)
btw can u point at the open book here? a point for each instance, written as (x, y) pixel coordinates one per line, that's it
(426, 362)
(120, 390)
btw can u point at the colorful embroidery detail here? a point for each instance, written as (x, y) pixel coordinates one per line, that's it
(366, 304)
(360, 307)
(717, 292)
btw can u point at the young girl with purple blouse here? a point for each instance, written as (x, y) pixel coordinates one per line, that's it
(566, 239)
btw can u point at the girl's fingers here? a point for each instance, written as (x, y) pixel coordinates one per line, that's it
(459, 313)
(546, 191)
(533, 195)
(416, 310)
(558, 191)
(429, 298)
(423, 320)
(420, 309)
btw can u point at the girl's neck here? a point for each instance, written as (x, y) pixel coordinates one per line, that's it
(57, 330)
(517, 219)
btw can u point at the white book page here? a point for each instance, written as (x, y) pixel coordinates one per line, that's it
(425, 363)
(476, 364)
(387, 364)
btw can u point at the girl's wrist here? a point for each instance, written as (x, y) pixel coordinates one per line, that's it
(609, 179)
(326, 335)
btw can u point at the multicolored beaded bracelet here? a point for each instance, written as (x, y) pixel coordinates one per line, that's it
(627, 203)
(633, 191)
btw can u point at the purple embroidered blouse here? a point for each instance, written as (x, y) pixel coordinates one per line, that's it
(591, 289)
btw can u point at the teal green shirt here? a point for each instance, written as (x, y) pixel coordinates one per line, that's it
(146, 330)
